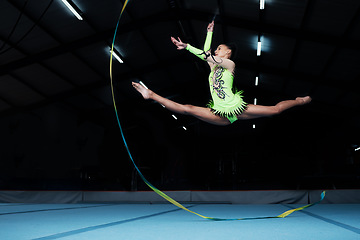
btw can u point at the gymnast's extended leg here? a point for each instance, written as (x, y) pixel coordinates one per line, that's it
(201, 113)
(256, 111)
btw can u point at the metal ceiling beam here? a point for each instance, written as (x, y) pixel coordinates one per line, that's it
(19, 8)
(32, 88)
(83, 42)
(183, 14)
(40, 26)
(7, 102)
(72, 50)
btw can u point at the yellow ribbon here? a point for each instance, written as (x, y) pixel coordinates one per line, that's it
(160, 193)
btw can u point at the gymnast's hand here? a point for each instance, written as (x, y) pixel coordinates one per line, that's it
(179, 44)
(210, 27)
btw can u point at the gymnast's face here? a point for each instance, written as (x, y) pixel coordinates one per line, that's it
(223, 51)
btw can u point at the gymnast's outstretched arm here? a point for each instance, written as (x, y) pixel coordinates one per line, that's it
(206, 56)
(209, 35)
(207, 44)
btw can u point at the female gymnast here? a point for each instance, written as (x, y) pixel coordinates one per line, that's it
(226, 106)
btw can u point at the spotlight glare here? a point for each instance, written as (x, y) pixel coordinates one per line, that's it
(143, 84)
(72, 9)
(116, 56)
(262, 4)
(259, 48)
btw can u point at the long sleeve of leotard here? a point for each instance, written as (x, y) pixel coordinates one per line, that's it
(201, 53)
(197, 52)
(207, 45)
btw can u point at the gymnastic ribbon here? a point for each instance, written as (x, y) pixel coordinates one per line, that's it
(162, 194)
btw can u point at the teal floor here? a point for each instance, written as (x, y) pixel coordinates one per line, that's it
(165, 221)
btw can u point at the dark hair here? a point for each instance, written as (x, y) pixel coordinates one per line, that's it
(233, 48)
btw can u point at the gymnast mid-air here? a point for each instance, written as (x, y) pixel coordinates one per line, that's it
(226, 105)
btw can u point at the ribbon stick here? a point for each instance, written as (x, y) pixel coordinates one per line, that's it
(160, 193)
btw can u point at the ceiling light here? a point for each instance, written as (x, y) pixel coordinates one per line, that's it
(174, 117)
(357, 149)
(255, 101)
(253, 125)
(259, 48)
(262, 4)
(143, 84)
(184, 128)
(116, 56)
(71, 6)
(256, 81)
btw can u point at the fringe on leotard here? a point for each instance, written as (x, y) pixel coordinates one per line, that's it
(227, 111)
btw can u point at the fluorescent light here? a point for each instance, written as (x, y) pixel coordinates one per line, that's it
(116, 56)
(357, 149)
(255, 101)
(184, 128)
(256, 81)
(259, 48)
(174, 117)
(262, 4)
(72, 9)
(143, 84)
(253, 125)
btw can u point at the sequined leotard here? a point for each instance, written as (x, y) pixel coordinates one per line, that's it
(225, 102)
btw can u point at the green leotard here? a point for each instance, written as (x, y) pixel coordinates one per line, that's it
(225, 102)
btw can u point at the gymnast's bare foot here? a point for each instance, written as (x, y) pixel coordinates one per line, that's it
(146, 93)
(304, 100)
